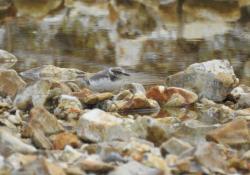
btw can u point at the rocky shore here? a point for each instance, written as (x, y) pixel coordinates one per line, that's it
(197, 123)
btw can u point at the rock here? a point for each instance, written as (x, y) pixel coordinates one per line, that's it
(70, 155)
(40, 140)
(134, 168)
(10, 143)
(175, 146)
(10, 82)
(157, 162)
(7, 59)
(63, 139)
(213, 79)
(50, 72)
(74, 170)
(93, 163)
(88, 97)
(136, 104)
(95, 124)
(18, 160)
(213, 113)
(235, 132)
(193, 131)
(40, 93)
(36, 9)
(41, 166)
(69, 107)
(156, 130)
(135, 88)
(41, 118)
(172, 96)
(212, 157)
(241, 95)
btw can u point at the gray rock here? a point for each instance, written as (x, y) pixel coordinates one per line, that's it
(39, 93)
(50, 72)
(241, 95)
(97, 125)
(213, 80)
(175, 146)
(135, 168)
(10, 143)
(135, 88)
(7, 59)
(10, 82)
(68, 107)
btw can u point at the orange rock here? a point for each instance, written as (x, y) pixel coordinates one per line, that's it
(88, 97)
(63, 139)
(172, 96)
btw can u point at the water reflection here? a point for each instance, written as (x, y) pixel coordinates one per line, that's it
(151, 38)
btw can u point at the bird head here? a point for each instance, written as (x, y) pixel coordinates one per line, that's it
(117, 72)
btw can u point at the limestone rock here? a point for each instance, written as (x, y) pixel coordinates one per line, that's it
(175, 146)
(134, 168)
(135, 104)
(235, 132)
(68, 107)
(135, 88)
(40, 140)
(95, 124)
(93, 163)
(10, 82)
(213, 157)
(172, 96)
(41, 166)
(10, 143)
(213, 79)
(40, 93)
(7, 59)
(40, 117)
(50, 72)
(88, 97)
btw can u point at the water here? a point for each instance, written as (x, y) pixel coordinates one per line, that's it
(149, 38)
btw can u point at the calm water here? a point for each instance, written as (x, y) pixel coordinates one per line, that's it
(151, 39)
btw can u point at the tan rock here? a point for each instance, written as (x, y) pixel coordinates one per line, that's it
(213, 157)
(40, 117)
(88, 97)
(36, 8)
(42, 166)
(172, 96)
(10, 82)
(40, 140)
(233, 133)
(63, 139)
(94, 164)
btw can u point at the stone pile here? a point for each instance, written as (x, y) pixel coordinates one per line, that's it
(198, 123)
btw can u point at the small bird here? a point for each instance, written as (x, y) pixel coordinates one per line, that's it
(107, 80)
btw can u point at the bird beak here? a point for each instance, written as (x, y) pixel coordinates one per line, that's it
(126, 74)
